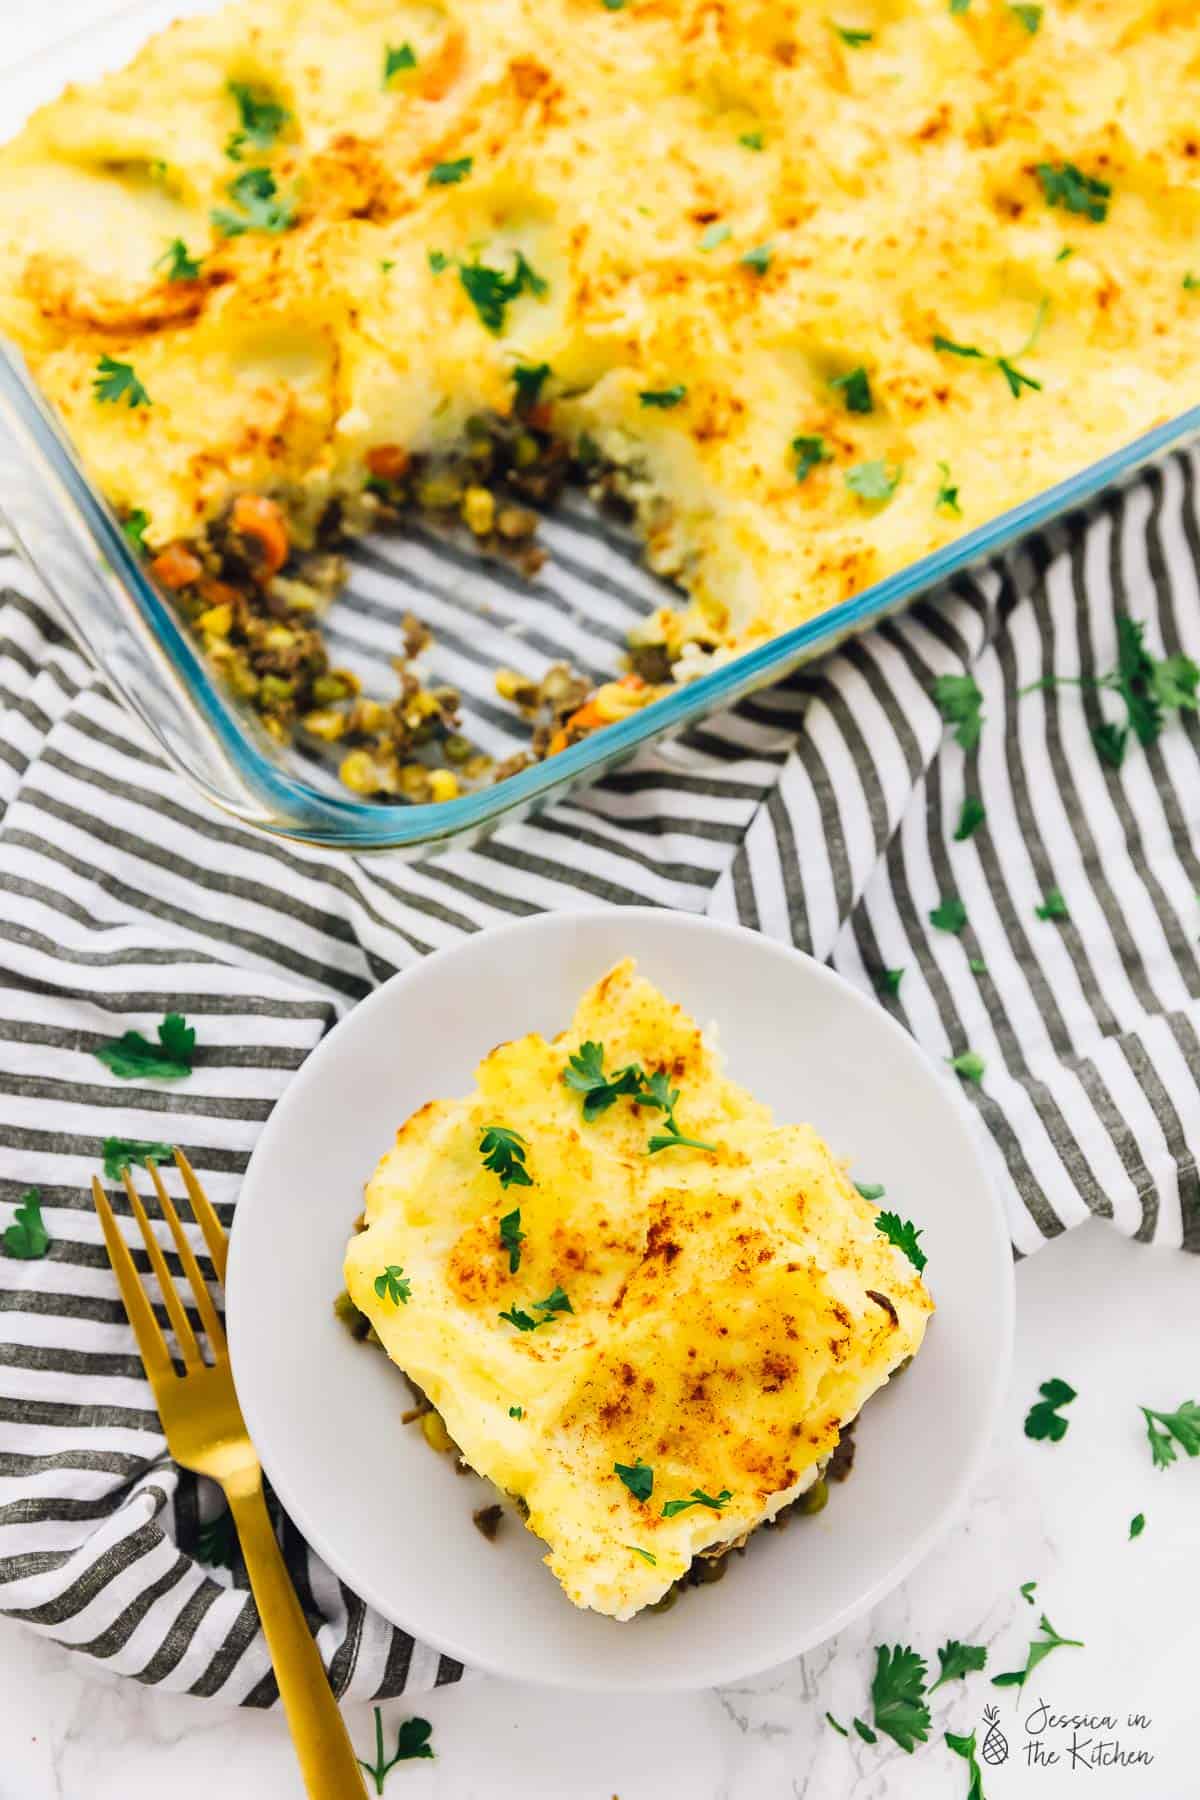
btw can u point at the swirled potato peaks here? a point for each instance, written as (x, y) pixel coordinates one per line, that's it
(641, 1307)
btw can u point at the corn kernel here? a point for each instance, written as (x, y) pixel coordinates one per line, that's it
(217, 621)
(325, 724)
(509, 683)
(443, 784)
(359, 773)
(335, 684)
(439, 492)
(478, 510)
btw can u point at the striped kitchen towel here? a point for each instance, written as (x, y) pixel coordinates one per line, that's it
(1060, 968)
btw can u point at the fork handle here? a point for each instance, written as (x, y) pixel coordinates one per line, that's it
(323, 1749)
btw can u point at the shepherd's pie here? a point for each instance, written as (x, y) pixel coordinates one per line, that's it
(816, 288)
(642, 1308)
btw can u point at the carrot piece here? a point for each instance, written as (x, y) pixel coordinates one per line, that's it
(587, 718)
(176, 567)
(388, 461)
(445, 66)
(634, 682)
(558, 742)
(262, 520)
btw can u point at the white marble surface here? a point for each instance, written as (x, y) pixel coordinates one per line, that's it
(1120, 1323)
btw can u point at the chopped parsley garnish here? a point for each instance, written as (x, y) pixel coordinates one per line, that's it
(393, 1286)
(947, 494)
(1007, 365)
(402, 56)
(658, 1092)
(960, 6)
(809, 452)
(555, 1302)
(977, 966)
(864, 1731)
(503, 1152)
(134, 529)
(1190, 283)
(438, 260)
(1150, 687)
(1043, 1420)
(1038, 1651)
(673, 1139)
(260, 207)
(1066, 253)
(751, 140)
(1137, 1525)
(528, 379)
(851, 35)
(119, 1153)
(490, 290)
(647, 1556)
(958, 1661)
(133, 1057)
(1015, 378)
(1053, 906)
(876, 480)
(1065, 185)
(950, 348)
(664, 398)
(840, 1729)
(898, 1696)
(889, 980)
(522, 1320)
(585, 1073)
(638, 1478)
(262, 121)
(1028, 16)
(511, 1238)
(871, 1190)
(1183, 1426)
(27, 1238)
(1110, 742)
(973, 813)
(904, 1235)
(1026, 1591)
(114, 381)
(970, 1065)
(613, 5)
(516, 1412)
(965, 1747)
(412, 1741)
(960, 702)
(949, 915)
(179, 266)
(716, 234)
(445, 174)
(698, 1498)
(759, 259)
(856, 390)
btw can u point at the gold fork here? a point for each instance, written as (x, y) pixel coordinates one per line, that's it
(206, 1433)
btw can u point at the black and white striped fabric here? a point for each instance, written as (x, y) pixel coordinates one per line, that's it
(822, 813)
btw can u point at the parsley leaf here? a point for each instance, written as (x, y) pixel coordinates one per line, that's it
(516, 1412)
(959, 6)
(1027, 1590)
(974, 812)
(1190, 283)
(1015, 378)
(114, 381)
(950, 916)
(119, 1153)
(841, 1729)
(856, 390)
(965, 1747)
(950, 348)
(1065, 185)
(262, 120)
(511, 1238)
(1052, 907)
(491, 290)
(27, 1238)
(134, 529)
(503, 1152)
(585, 1073)
(1029, 16)
(638, 1478)
(1149, 685)
(412, 1741)
(402, 56)
(1137, 1525)
(1039, 1650)
(555, 1301)
(646, 1555)
(179, 265)
(947, 494)
(260, 207)
(970, 1065)
(1043, 1419)
(852, 36)
(751, 140)
(960, 702)
(673, 1139)
(888, 980)
(874, 480)
(759, 258)
(445, 174)
(865, 1733)
(898, 1696)
(522, 1320)
(438, 260)
(809, 452)
(904, 1234)
(528, 379)
(1182, 1425)
(698, 1498)
(393, 1286)
(958, 1661)
(663, 398)
(133, 1058)
(1110, 742)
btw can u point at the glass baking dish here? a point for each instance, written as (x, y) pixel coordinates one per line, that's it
(578, 609)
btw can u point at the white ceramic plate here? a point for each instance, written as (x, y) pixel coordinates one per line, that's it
(393, 1519)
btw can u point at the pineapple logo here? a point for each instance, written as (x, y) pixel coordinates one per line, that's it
(995, 1745)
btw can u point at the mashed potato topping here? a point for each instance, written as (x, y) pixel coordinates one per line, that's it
(828, 285)
(619, 1329)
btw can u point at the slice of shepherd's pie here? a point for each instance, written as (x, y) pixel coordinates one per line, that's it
(640, 1306)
